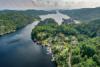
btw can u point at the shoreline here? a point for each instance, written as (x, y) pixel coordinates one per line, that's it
(15, 30)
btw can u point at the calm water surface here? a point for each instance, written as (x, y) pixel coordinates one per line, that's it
(18, 50)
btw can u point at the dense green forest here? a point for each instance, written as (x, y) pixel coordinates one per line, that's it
(11, 20)
(72, 45)
(85, 14)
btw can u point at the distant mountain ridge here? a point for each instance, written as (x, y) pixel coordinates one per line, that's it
(27, 12)
(85, 14)
(12, 20)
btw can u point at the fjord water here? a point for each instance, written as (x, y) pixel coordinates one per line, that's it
(58, 17)
(18, 50)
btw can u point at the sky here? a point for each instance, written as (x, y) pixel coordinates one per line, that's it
(48, 4)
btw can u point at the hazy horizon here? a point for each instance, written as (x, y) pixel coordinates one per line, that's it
(47, 4)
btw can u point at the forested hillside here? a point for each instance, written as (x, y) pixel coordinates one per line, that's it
(86, 14)
(72, 45)
(11, 20)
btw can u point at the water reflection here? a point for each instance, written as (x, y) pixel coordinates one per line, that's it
(58, 17)
(18, 50)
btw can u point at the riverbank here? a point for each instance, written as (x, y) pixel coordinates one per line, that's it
(14, 30)
(11, 21)
(68, 44)
(18, 50)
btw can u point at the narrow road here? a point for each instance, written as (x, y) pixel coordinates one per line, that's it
(69, 58)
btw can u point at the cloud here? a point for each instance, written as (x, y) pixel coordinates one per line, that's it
(66, 3)
(48, 4)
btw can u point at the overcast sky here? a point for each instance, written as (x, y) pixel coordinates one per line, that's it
(48, 4)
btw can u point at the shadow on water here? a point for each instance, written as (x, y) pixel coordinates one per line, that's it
(18, 50)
